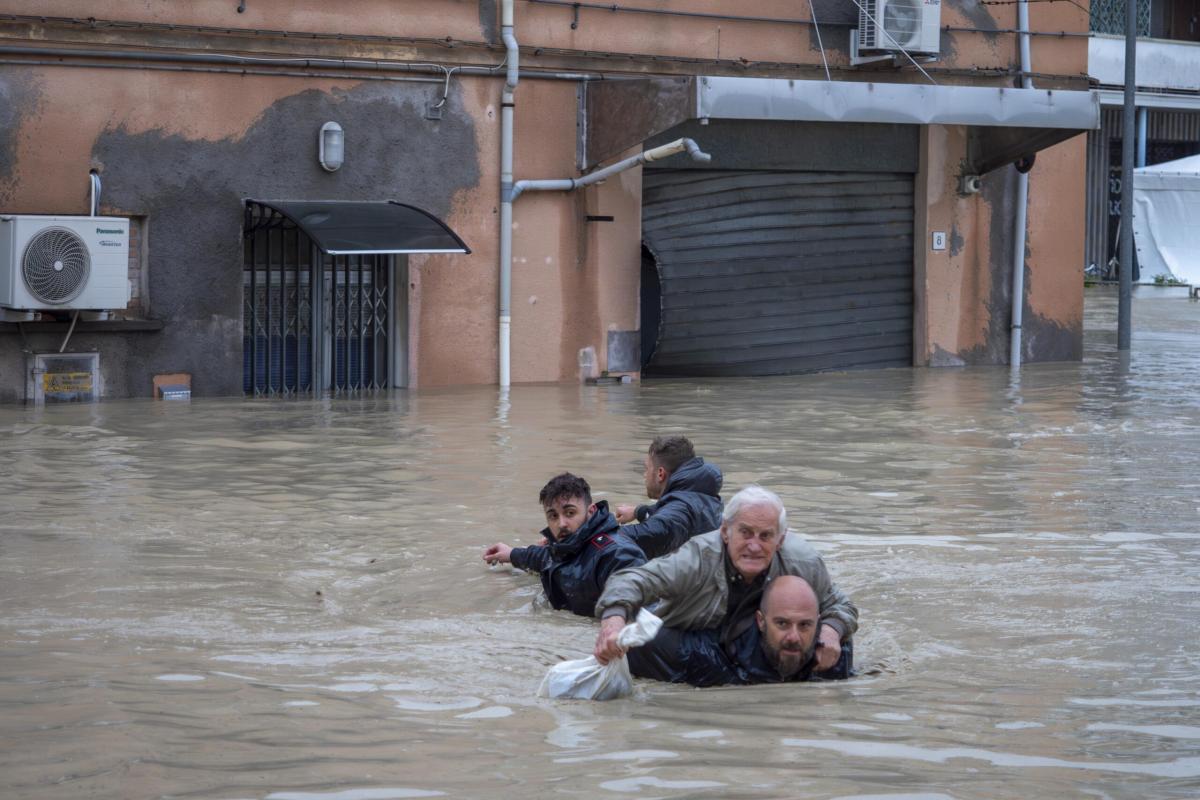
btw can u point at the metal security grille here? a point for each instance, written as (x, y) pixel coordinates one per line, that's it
(311, 322)
(769, 272)
(277, 313)
(358, 322)
(1108, 16)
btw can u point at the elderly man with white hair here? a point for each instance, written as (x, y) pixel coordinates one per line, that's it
(716, 580)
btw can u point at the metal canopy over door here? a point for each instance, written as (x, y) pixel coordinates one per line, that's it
(325, 292)
(766, 272)
(282, 348)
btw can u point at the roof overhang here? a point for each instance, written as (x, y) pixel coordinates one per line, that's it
(1005, 124)
(351, 227)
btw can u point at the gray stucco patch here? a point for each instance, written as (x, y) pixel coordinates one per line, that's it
(835, 38)
(943, 358)
(956, 241)
(1045, 340)
(1041, 339)
(19, 96)
(975, 11)
(489, 24)
(193, 191)
(999, 192)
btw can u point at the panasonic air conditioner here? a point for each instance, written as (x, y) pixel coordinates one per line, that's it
(64, 263)
(894, 25)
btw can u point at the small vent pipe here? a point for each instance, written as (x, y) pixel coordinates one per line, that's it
(94, 199)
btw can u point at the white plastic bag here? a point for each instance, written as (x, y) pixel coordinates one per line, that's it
(587, 679)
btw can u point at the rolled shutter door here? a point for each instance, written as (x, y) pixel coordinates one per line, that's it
(769, 272)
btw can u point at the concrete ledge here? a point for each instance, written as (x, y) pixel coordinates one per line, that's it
(94, 326)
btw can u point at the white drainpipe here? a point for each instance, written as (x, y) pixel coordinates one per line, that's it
(568, 184)
(512, 55)
(1018, 273)
(510, 191)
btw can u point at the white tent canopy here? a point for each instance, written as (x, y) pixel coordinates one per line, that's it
(1166, 220)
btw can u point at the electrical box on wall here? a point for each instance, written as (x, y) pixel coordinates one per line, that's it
(63, 378)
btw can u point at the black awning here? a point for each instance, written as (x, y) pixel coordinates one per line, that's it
(350, 227)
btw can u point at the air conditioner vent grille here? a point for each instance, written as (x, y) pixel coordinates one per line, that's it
(902, 21)
(56, 265)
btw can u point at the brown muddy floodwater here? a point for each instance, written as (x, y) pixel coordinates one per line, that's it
(259, 599)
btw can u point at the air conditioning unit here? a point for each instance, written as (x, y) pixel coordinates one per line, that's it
(64, 263)
(895, 25)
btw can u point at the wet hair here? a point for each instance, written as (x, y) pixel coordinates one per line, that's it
(754, 495)
(670, 452)
(565, 487)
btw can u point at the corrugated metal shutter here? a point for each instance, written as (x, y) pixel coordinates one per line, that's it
(768, 272)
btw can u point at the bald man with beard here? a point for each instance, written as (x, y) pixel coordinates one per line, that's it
(779, 647)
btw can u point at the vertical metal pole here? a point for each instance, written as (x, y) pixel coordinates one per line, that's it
(296, 310)
(346, 329)
(267, 311)
(507, 137)
(253, 314)
(362, 327)
(317, 325)
(283, 313)
(1143, 119)
(398, 367)
(1128, 137)
(1022, 204)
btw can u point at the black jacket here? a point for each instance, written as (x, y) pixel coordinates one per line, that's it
(574, 570)
(699, 658)
(690, 505)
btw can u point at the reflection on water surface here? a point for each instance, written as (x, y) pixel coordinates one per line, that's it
(262, 599)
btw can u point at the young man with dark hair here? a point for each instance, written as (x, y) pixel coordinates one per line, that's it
(688, 492)
(584, 546)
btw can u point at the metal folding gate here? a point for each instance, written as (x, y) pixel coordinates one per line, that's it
(770, 272)
(282, 351)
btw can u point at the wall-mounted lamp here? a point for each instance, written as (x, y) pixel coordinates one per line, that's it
(331, 146)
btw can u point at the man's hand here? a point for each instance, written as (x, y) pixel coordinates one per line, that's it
(606, 642)
(831, 648)
(499, 553)
(626, 514)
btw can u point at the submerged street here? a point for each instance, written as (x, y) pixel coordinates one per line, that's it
(285, 599)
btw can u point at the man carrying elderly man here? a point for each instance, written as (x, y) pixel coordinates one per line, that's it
(780, 647)
(715, 582)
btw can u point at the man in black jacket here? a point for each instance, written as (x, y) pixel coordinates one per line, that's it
(688, 492)
(584, 546)
(778, 645)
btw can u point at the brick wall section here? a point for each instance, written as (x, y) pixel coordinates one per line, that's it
(137, 268)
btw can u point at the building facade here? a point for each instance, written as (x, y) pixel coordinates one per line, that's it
(839, 223)
(1167, 100)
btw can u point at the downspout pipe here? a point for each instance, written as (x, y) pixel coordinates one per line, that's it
(1022, 199)
(570, 184)
(507, 134)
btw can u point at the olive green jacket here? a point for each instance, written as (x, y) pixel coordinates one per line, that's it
(694, 591)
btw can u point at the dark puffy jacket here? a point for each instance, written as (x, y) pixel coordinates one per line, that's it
(690, 505)
(574, 570)
(698, 658)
